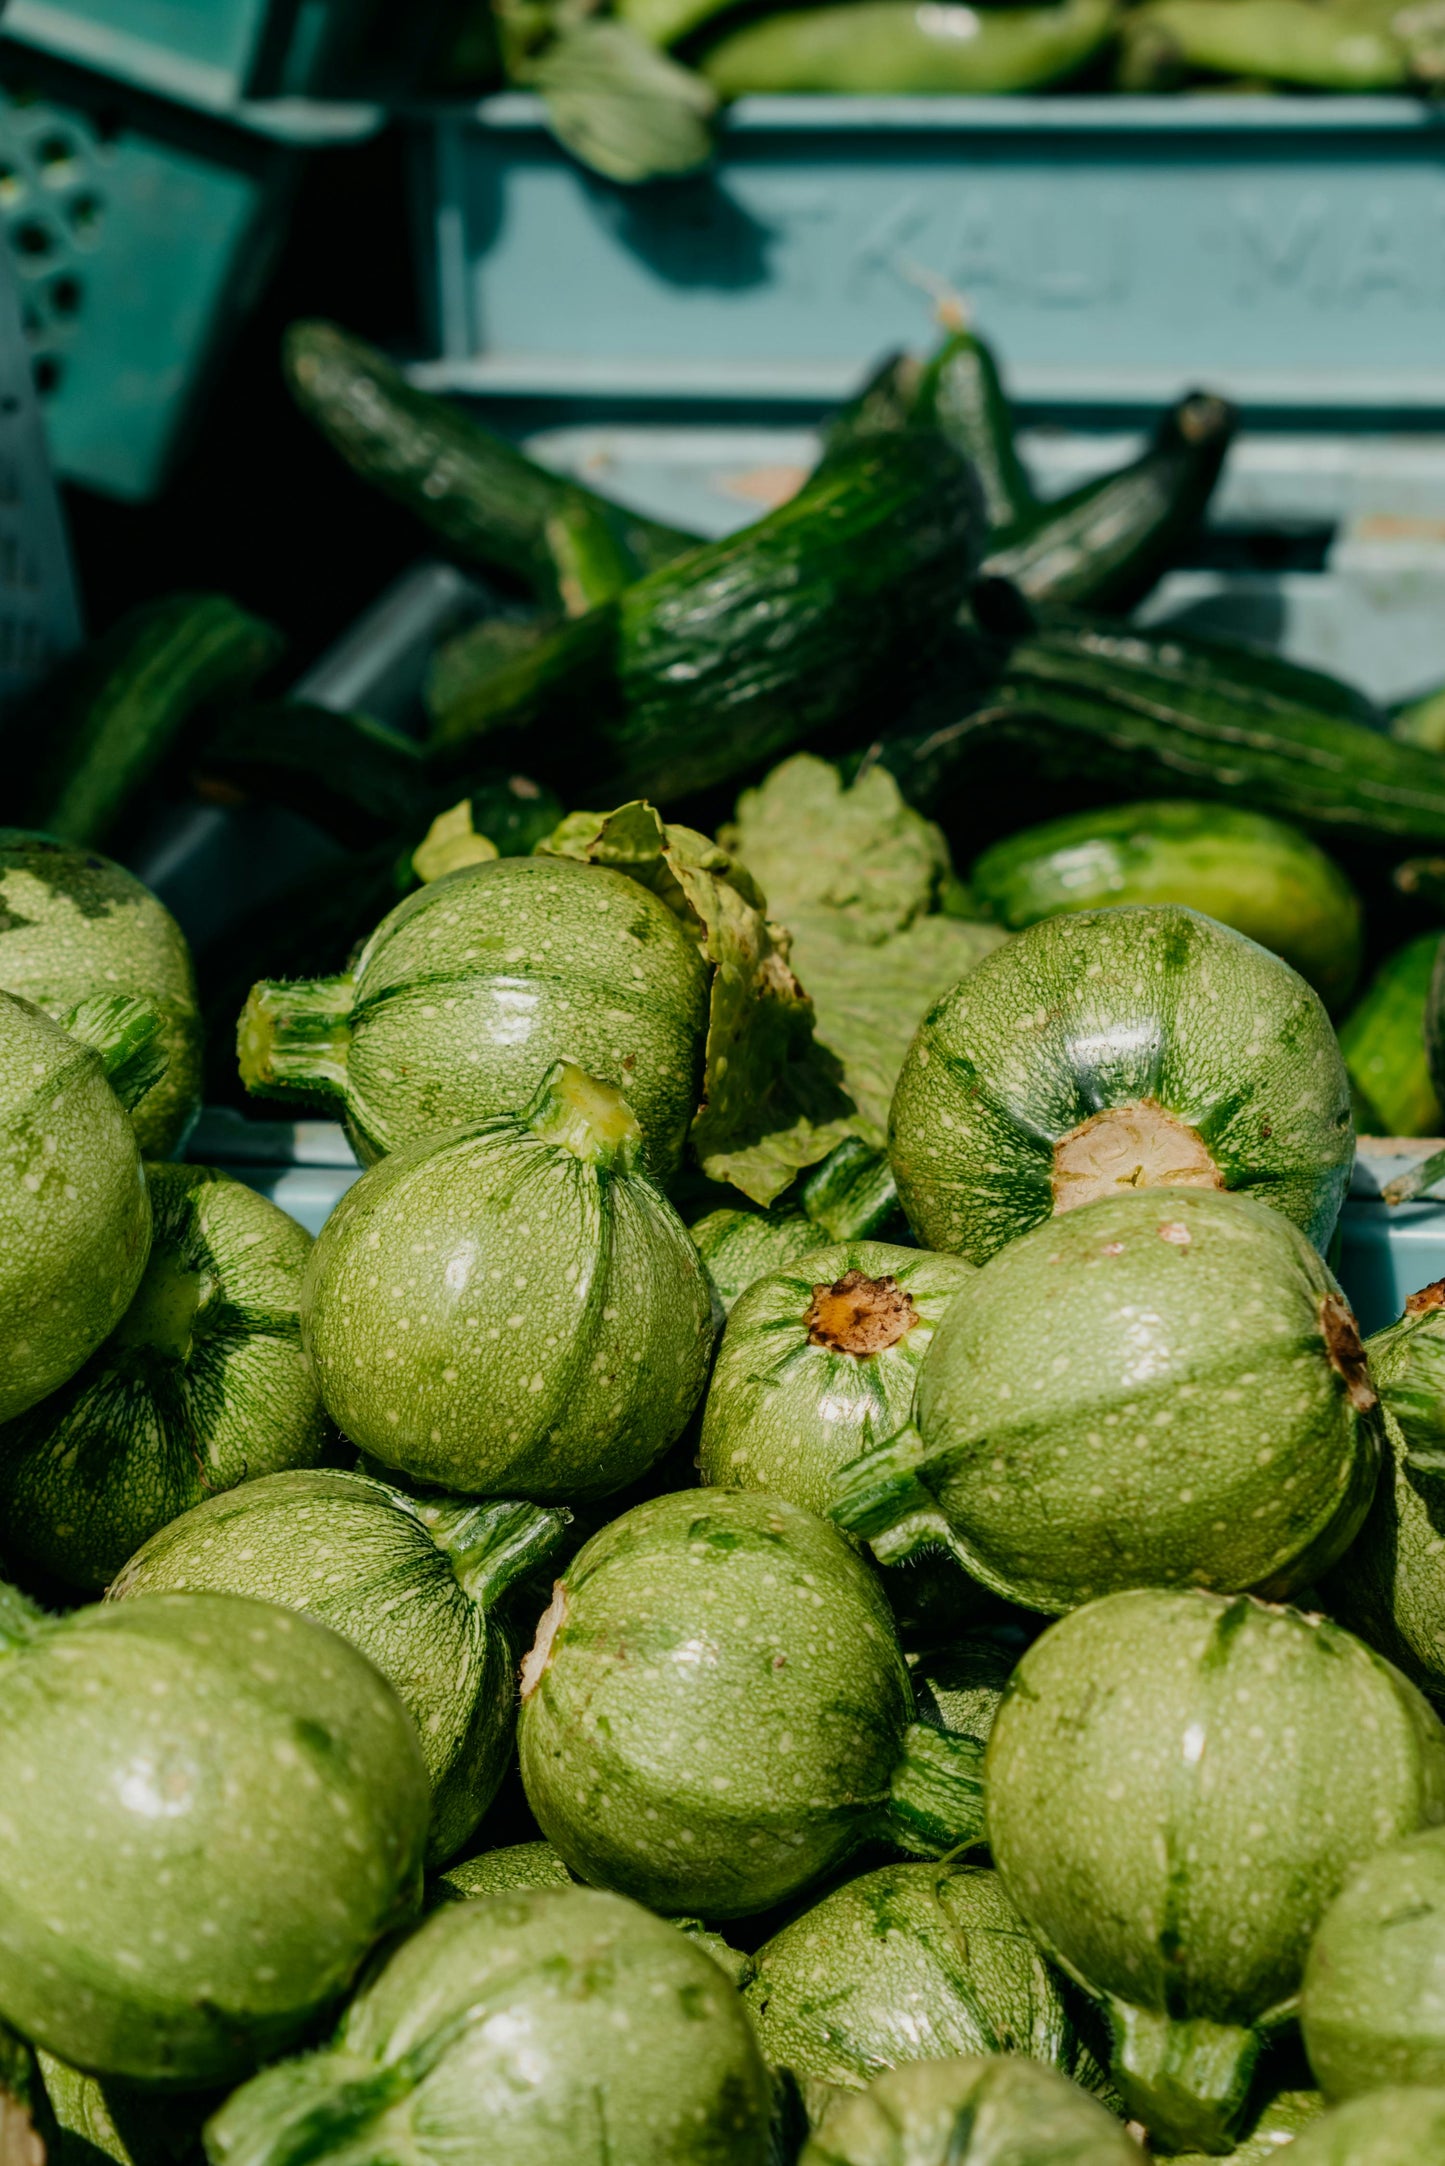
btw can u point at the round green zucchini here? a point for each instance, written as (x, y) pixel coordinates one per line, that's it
(1265, 879)
(716, 1711)
(1165, 1389)
(1200, 1744)
(976, 2110)
(503, 1872)
(1389, 1587)
(75, 1214)
(1371, 2007)
(74, 924)
(218, 1808)
(559, 2023)
(1403, 2127)
(908, 1963)
(202, 1384)
(470, 990)
(413, 1584)
(820, 1361)
(1383, 1041)
(513, 1308)
(1116, 1049)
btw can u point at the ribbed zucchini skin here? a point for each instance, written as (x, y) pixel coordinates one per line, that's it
(490, 503)
(1383, 1041)
(468, 991)
(1220, 1870)
(117, 713)
(73, 924)
(202, 1384)
(358, 1556)
(223, 1707)
(785, 1408)
(909, 1963)
(75, 1215)
(493, 1312)
(840, 600)
(1151, 1008)
(1263, 878)
(501, 2031)
(975, 2104)
(1131, 710)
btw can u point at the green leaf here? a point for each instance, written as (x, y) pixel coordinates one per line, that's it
(869, 1000)
(773, 1101)
(622, 107)
(859, 851)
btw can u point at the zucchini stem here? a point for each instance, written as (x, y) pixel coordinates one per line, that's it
(292, 1039)
(126, 1033)
(493, 1544)
(1186, 2080)
(936, 1792)
(591, 1119)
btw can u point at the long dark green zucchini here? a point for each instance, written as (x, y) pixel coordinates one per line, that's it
(487, 501)
(1104, 545)
(118, 710)
(838, 604)
(1079, 700)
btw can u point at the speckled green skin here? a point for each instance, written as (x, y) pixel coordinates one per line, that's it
(783, 1414)
(202, 1384)
(75, 1217)
(1390, 1584)
(1106, 1008)
(1226, 1765)
(561, 2024)
(1388, 2128)
(722, 1706)
(1140, 1394)
(976, 2110)
(73, 923)
(491, 1313)
(503, 1872)
(1373, 2004)
(472, 987)
(910, 1963)
(1256, 874)
(359, 1557)
(741, 1246)
(213, 1809)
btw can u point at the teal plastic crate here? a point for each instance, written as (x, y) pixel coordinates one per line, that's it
(1282, 250)
(206, 53)
(141, 234)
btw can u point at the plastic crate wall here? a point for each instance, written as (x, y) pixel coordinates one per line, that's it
(39, 613)
(206, 53)
(1283, 250)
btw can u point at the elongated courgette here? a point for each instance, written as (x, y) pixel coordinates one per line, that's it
(1104, 545)
(1084, 700)
(840, 601)
(1300, 42)
(120, 707)
(881, 47)
(490, 504)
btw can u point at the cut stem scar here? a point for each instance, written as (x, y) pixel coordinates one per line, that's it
(1347, 1355)
(1138, 1145)
(859, 1315)
(538, 1657)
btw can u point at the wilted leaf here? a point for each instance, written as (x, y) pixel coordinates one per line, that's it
(860, 852)
(773, 1100)
(622, 107)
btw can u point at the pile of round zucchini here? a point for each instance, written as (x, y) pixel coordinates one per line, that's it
(938, 1671)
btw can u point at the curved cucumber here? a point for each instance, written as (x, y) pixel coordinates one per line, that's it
(1383, 1041)
(489, 503)
(1280, 41)
(128, 697)
(876, 48)
(1256, 874)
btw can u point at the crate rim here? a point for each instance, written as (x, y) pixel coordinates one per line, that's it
(521, 111)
